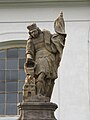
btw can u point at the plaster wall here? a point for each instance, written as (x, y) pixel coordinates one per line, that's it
(71, 91)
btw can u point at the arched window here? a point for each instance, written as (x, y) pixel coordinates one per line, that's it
(12, 76)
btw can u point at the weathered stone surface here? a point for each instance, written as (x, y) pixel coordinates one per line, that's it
(37, 111)
(43, 55)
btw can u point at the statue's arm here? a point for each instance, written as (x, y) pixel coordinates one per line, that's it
(29, 50)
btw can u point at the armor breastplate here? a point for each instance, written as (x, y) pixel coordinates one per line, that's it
(40, 48)
(39, 43)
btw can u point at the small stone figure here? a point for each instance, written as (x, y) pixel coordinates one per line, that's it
(44, 50)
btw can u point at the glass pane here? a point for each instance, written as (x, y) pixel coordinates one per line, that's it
(20, 97)
(11, 98)
(2, 86)
(2, 64)
(12, 53)
(2, 54)
(22, 75)
(11, 109)
(21, 86)
(21, 63)
(22, 52)
(2, 75)
(11, 86)
(12, 64)
(14, 75)
(2, 98)
(7, 75)
(2, 107)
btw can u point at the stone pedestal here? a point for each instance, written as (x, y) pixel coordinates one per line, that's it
(37, 111)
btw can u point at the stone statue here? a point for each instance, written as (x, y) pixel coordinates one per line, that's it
(43, 55)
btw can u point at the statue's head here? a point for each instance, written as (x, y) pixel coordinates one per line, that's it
(33, 30)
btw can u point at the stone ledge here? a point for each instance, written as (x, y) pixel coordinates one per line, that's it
(37, 111)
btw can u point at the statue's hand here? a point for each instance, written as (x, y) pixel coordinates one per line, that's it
(30, 62)
(29, 58)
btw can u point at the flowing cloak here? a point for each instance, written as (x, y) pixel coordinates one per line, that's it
(56, 42)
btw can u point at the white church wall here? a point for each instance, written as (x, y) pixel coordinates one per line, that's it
(71, 91)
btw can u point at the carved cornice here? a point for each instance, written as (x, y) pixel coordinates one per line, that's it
(41, 2)
(12, 44)
(36, 1)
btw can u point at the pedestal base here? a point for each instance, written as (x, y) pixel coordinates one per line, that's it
(37, 111)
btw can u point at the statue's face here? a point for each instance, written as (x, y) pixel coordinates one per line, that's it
(34, 33)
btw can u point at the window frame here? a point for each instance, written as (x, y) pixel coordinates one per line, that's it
(9, 45)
